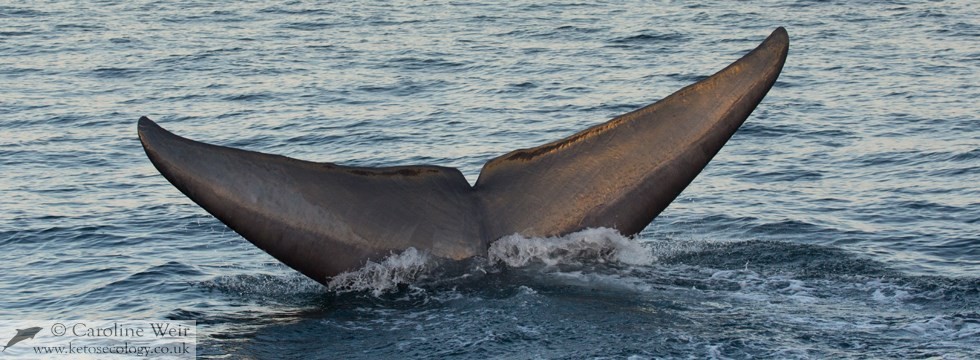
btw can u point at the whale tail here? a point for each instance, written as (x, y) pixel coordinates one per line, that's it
(324, 218)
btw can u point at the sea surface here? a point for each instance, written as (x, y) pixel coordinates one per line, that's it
(841, 221)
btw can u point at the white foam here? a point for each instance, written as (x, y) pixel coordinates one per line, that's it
(264, 286)
(384, 276)
(885, 292)
(592, 245)
(612, 282)
(942, 327)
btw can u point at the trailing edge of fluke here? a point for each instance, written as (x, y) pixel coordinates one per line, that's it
(322, 218)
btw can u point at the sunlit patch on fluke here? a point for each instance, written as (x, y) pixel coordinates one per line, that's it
(322, 219)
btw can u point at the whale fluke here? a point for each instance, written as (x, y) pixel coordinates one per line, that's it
(323, 218)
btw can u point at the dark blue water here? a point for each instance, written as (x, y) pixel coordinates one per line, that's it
(842, 220)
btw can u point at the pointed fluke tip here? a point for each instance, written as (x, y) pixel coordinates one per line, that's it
(150, 132)
(144, 121)
(779, 39)
(143, 126)
(781, 33)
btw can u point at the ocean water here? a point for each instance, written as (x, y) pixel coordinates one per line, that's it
(841, 221)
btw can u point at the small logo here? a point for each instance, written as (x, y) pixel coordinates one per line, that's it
(21, 336)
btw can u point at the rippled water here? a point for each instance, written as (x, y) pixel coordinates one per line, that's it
(842, 220)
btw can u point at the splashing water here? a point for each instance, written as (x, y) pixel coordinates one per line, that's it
(384, 276)
(601, 245)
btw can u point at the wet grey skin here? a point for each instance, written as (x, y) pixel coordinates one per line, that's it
(22, 334)
(322, 218)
